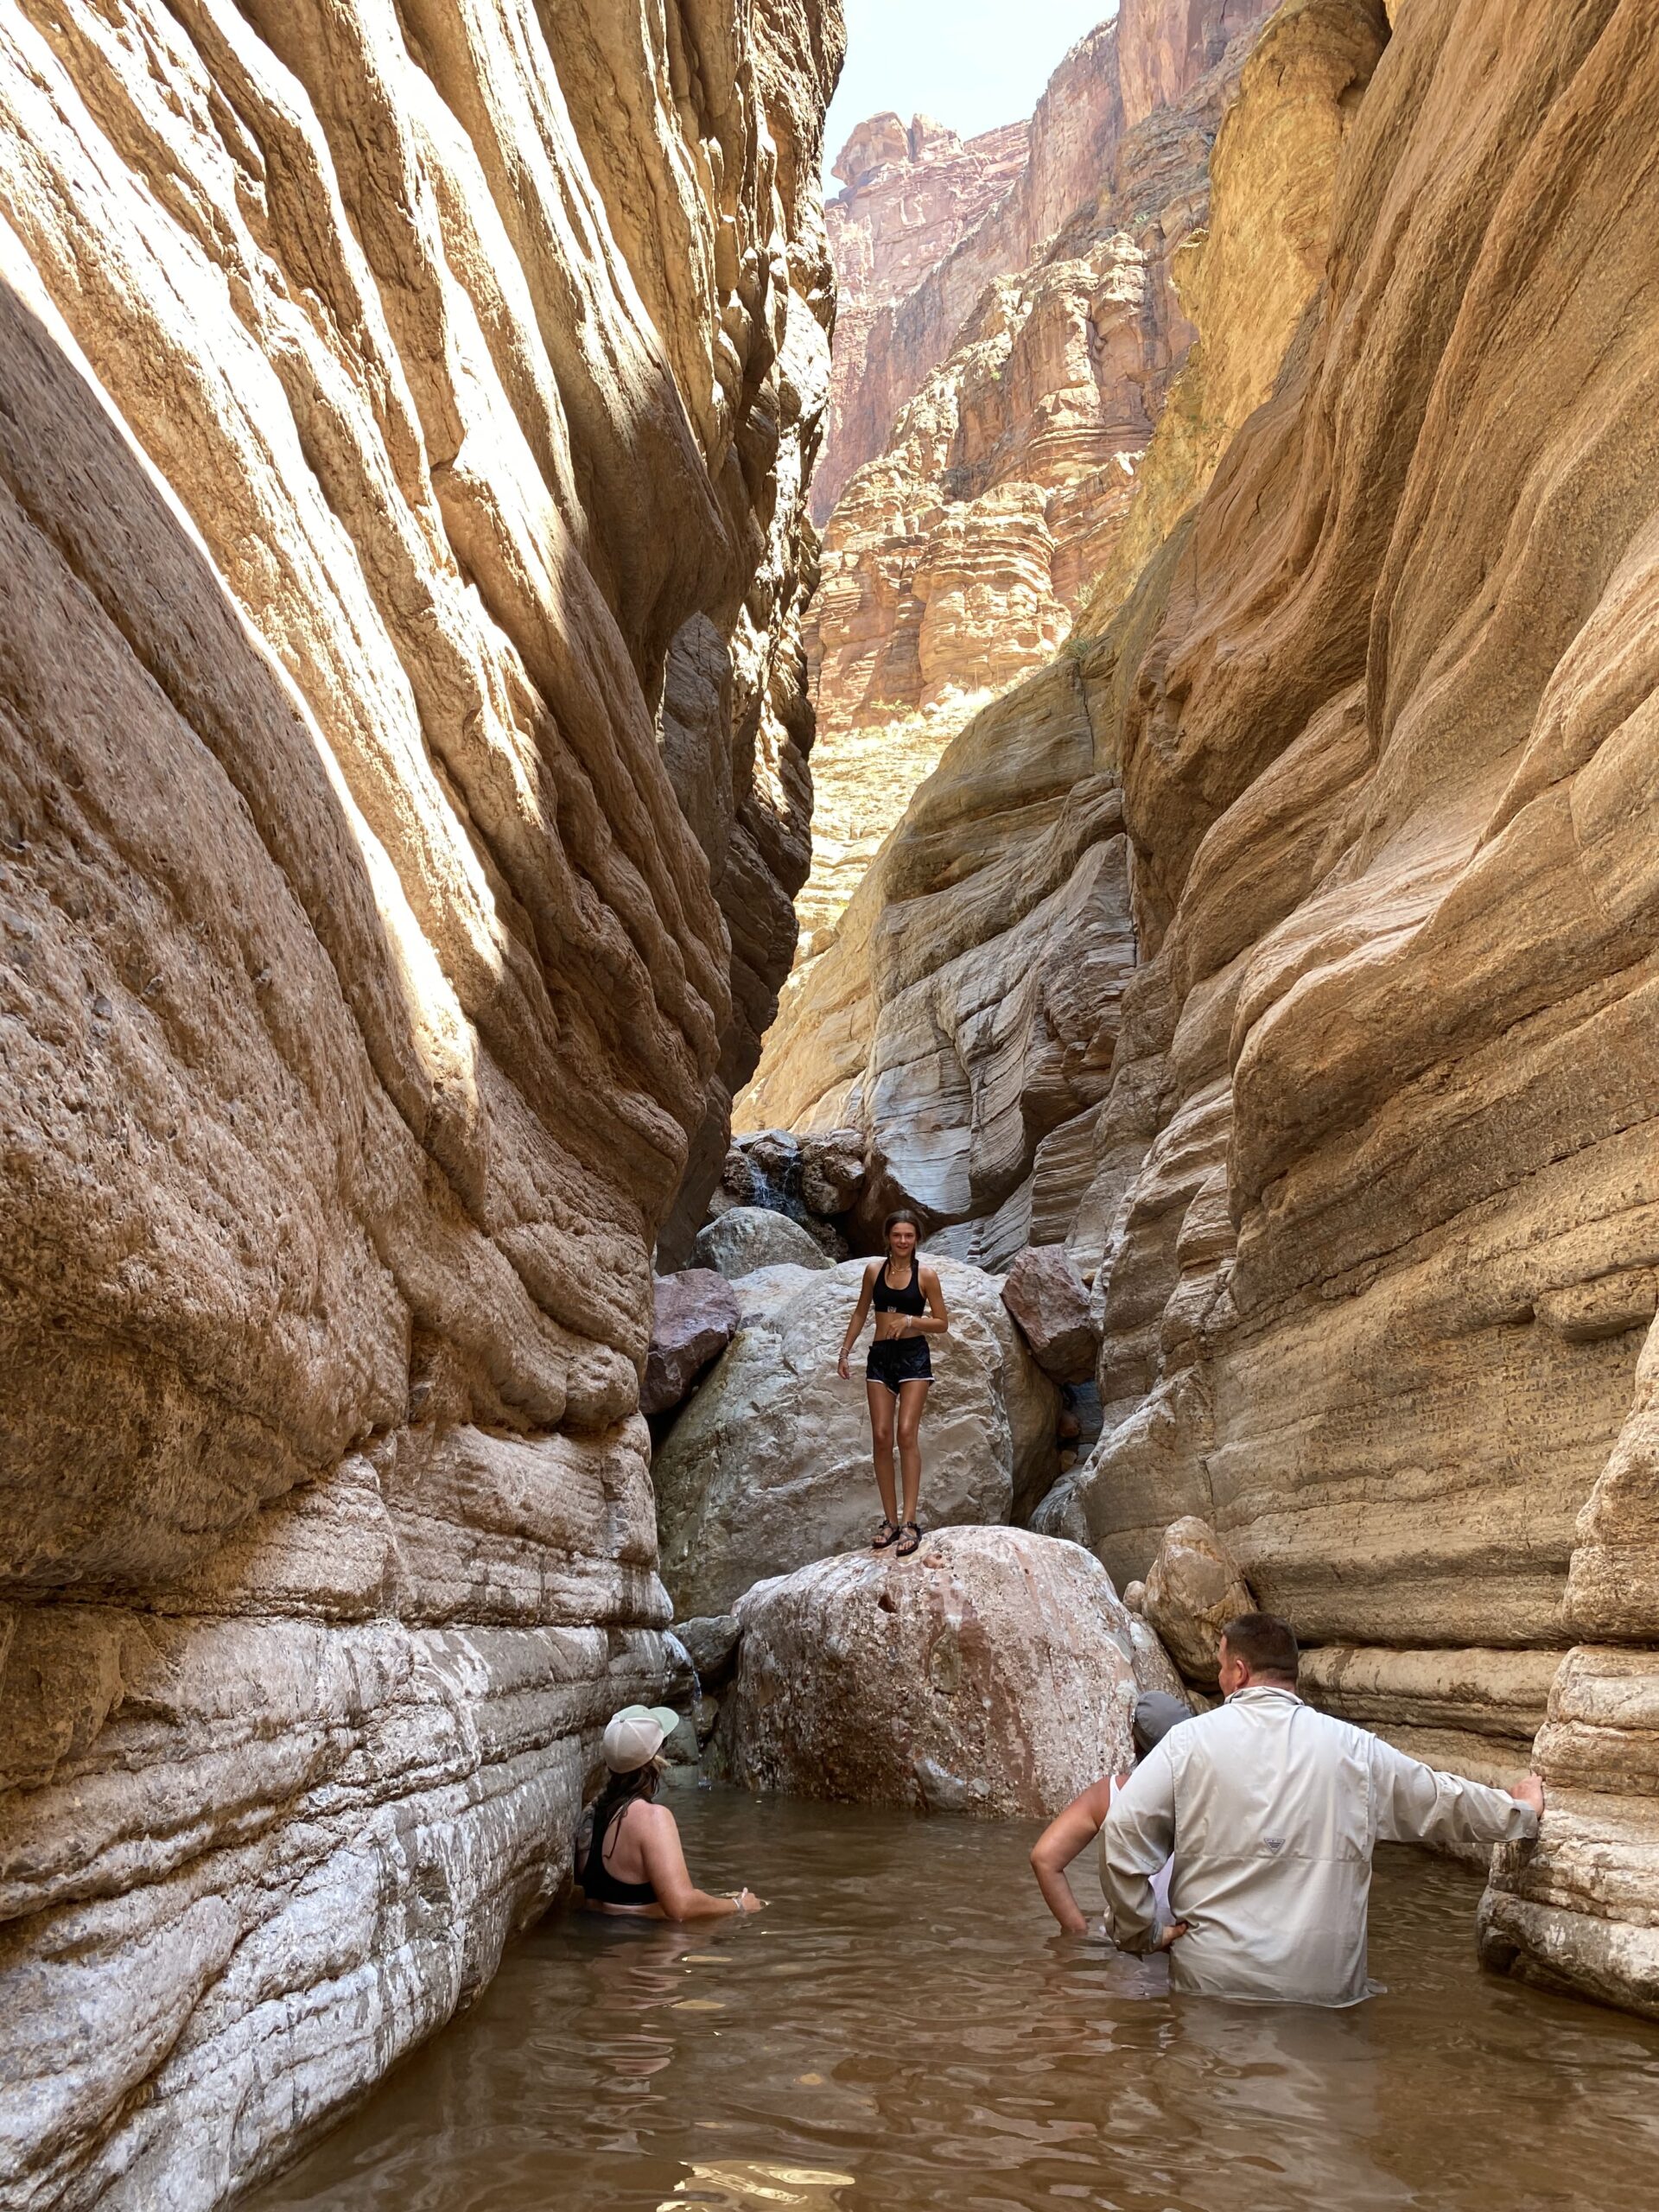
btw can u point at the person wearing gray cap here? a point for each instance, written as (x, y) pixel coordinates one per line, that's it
(629, 1858)
(1071, 1832)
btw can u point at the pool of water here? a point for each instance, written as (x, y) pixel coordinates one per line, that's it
(905, 2027)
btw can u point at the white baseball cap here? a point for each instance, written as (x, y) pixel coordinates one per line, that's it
(635, 1735)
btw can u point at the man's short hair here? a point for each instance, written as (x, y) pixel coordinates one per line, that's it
(1265, 1643)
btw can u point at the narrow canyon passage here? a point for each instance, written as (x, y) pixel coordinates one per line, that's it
(586, 722)
(903, 2030)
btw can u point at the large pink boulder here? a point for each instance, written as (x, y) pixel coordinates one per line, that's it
(995, 1673)
(695, 1318)
(1048, 1301)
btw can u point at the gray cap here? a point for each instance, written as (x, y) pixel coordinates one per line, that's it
(1155, 1713)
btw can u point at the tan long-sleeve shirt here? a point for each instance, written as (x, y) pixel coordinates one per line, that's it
(1272, 1811)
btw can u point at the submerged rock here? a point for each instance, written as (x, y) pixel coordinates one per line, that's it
(769, 1466)
(992, 1672)
(747, 1238)
(694, 1318)
(1193, 1588)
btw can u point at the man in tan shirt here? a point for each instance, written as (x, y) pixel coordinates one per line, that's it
(1272, 1810)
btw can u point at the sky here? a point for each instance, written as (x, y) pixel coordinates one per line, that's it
(971, 64)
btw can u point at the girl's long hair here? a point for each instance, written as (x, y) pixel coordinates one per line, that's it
(893, 1222)
(620, 1792)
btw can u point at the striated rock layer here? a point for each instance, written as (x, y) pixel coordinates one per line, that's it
(988, 421)
(407, 416)
(912, 192)
(1373, 1216)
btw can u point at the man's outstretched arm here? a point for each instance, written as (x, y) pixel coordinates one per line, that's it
(1138, 1834)
(1418, 1804)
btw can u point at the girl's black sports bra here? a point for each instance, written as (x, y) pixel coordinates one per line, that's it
(886, 1299)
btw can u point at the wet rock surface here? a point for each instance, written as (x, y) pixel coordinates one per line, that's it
(990, 1673)
(769, 1466)
(710, 1643)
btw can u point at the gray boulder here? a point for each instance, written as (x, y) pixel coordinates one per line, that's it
(769, 1466)
(748, 1237)
(710, 1643)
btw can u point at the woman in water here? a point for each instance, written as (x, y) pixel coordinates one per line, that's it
(909, 1309)
(1071, 1832)
(628, 1855)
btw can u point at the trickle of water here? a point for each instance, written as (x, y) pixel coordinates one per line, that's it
(902, 2029)
(686, 1660)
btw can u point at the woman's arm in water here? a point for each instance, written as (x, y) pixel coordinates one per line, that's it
(676, 1893)
(936, 1321)
(861, 1314)
(1068, 1834)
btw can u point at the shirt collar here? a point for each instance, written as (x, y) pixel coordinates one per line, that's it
(1264, 1689)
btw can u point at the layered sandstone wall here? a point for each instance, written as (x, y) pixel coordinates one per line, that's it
(912, 191)
(1374, 1210)
(963, 1010)
(404, 452)
(1029, 370)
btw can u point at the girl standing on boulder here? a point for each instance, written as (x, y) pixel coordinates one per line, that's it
(909, 1308)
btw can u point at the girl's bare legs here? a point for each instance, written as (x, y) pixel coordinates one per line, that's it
(912, 1396)
(881, 1400)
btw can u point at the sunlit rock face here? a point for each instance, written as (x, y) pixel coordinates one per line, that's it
(407, 416)
(999, 395)
(1005, 402)
(910, 193)
(1373, 1215)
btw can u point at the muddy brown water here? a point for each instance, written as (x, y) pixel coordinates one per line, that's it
(904, 2029)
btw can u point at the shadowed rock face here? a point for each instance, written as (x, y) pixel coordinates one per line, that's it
(406, 422)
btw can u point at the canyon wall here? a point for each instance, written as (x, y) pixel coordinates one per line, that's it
(912, 192)
(406, 424)
(963, 1010)
(1029, 367)
(1371, 1200)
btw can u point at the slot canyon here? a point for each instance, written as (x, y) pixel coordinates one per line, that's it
(585, 715)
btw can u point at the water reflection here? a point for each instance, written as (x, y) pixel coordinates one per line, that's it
(902, 2031)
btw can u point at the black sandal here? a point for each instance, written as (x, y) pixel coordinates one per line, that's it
(890, 1534)
(910, 1537)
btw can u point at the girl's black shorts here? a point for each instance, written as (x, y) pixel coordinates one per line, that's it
(900, 1359)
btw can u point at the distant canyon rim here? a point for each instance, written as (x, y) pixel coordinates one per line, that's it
(1145, 752)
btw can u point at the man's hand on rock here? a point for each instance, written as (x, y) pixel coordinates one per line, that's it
(1530, 1792)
